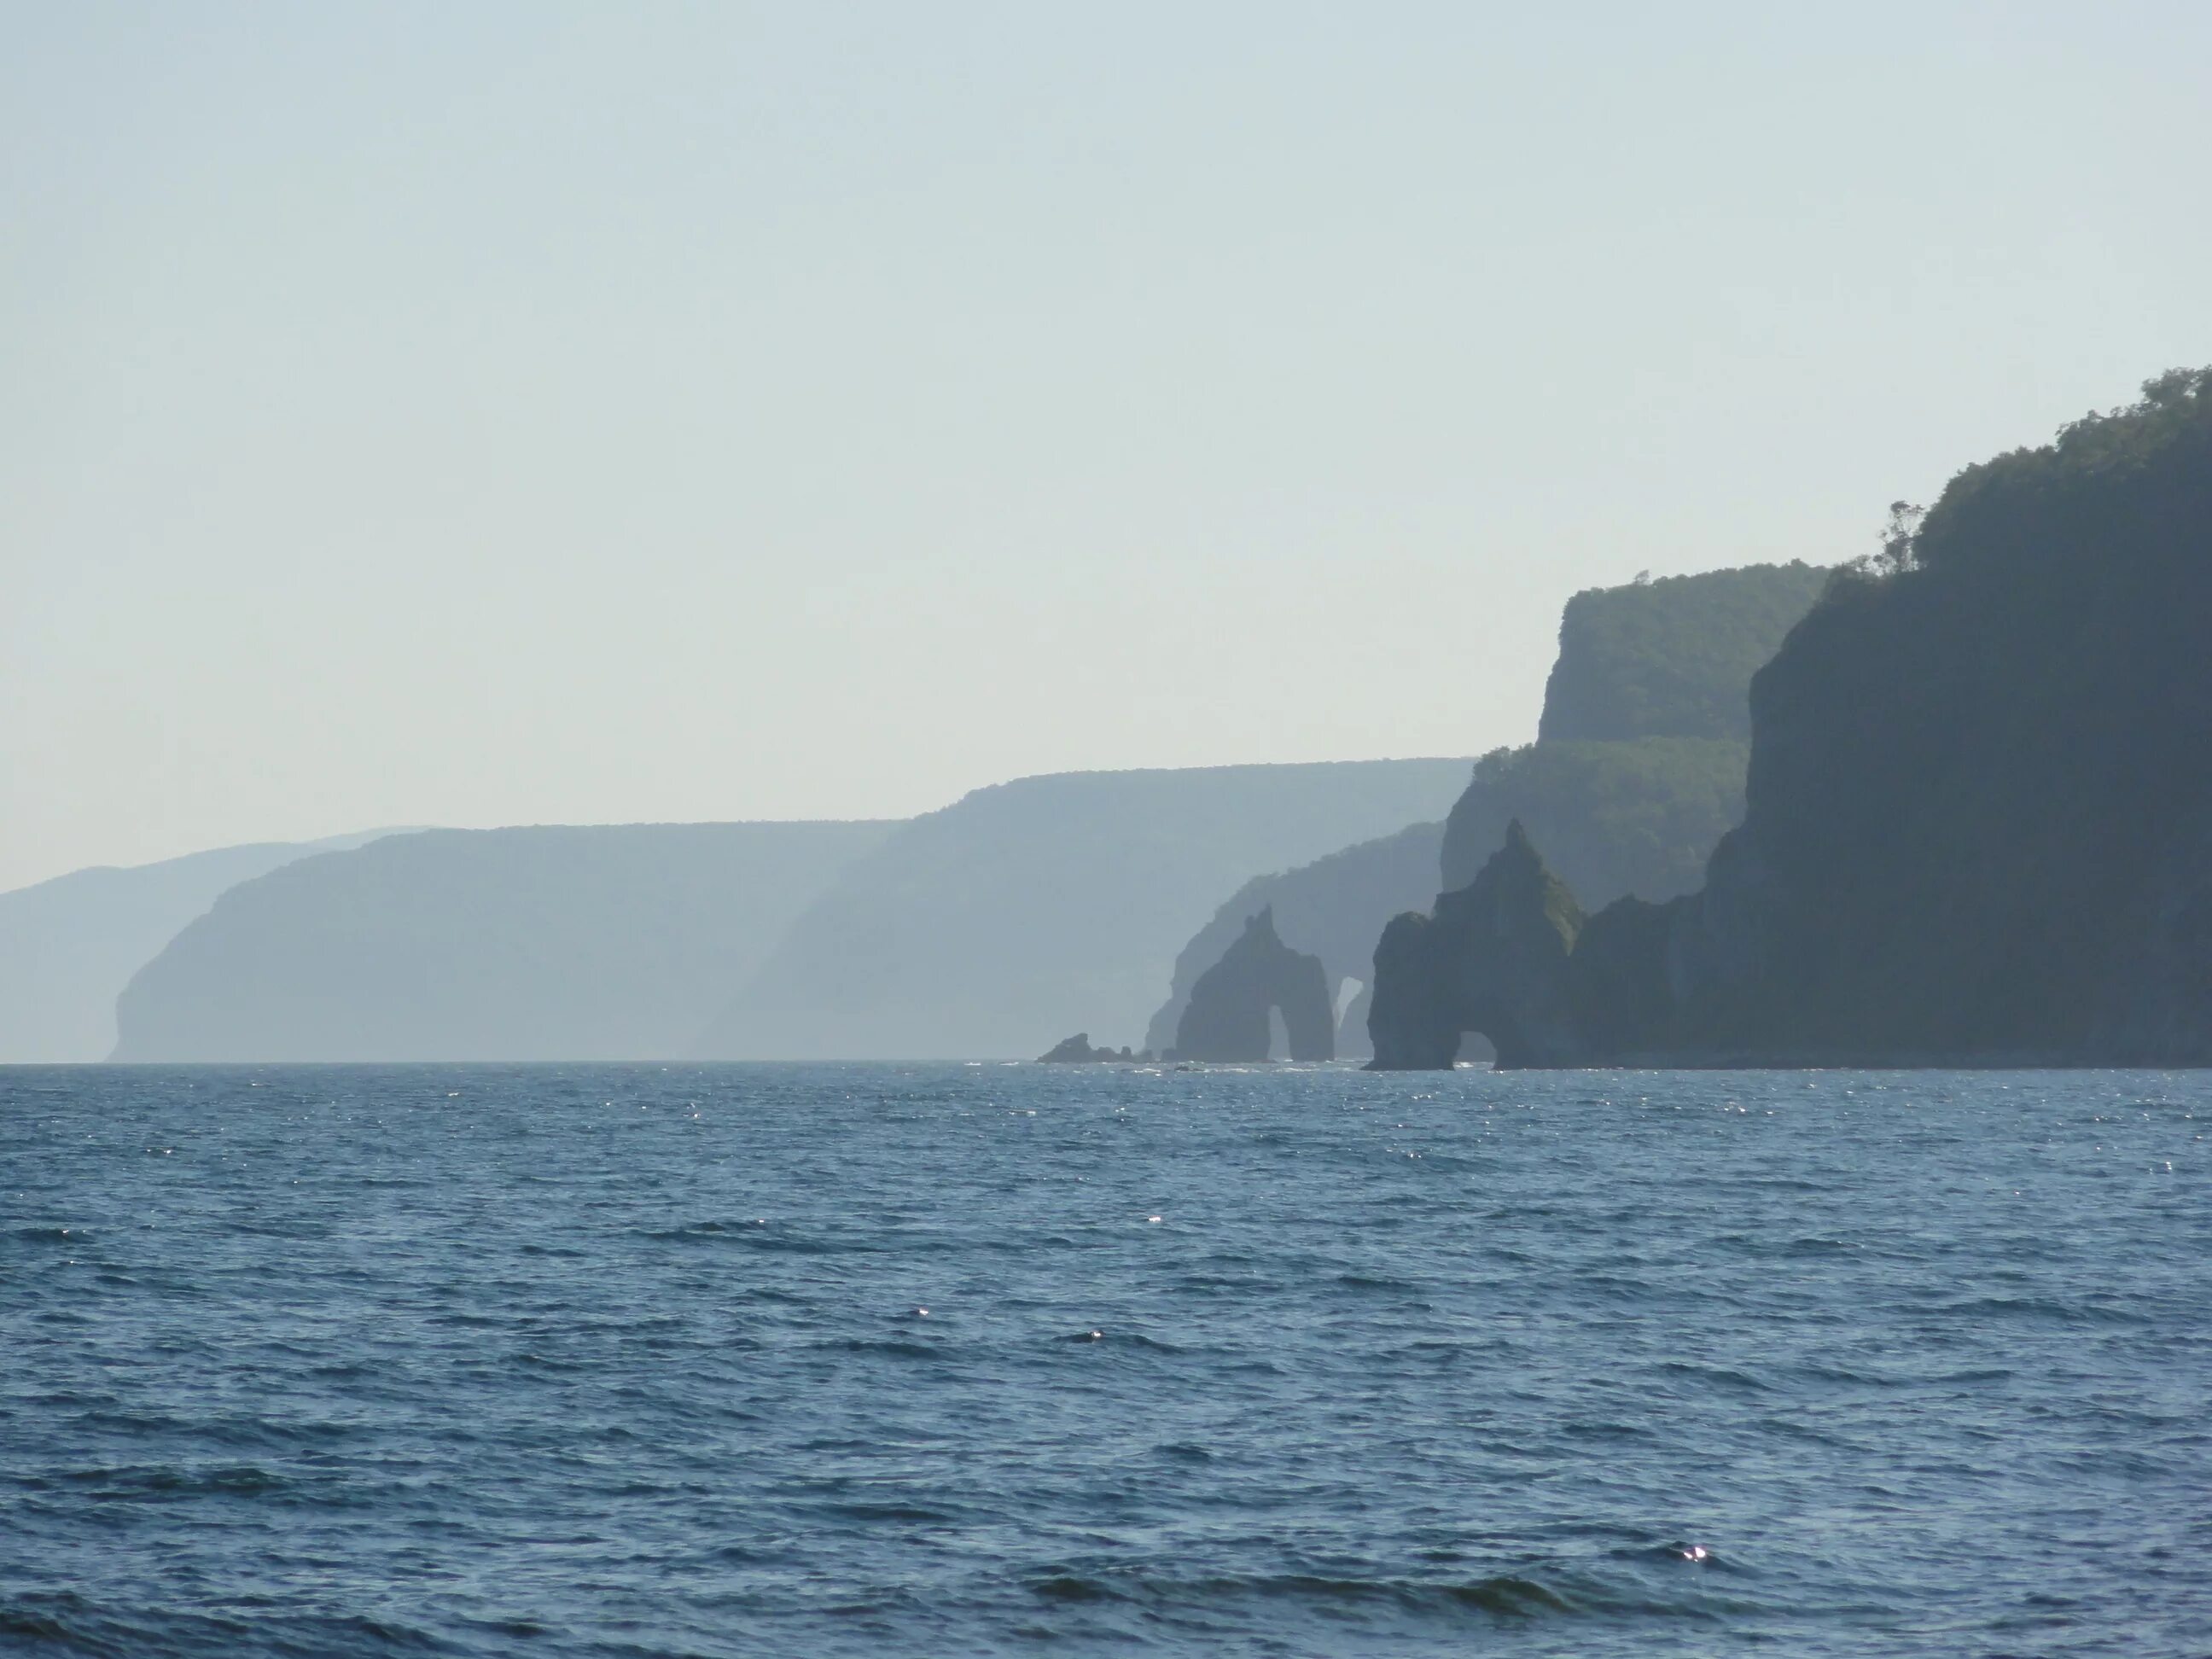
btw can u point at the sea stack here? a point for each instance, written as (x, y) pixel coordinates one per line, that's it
(1226, 1020)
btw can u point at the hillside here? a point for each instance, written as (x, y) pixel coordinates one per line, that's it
(68, 946)
(612, 942)
(1672, 657)
(1036, 907)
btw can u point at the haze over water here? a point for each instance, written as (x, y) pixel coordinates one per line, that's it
(632, 1360)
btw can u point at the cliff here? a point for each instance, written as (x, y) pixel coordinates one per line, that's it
(987, 927)
(1641, 753)
(1492, 958)
(1978, 812)
(1228, 1016)
(1637, 817)
(1671, 658)
(1979, 806)
(602, 943)
(1639, 774)
(68, 946)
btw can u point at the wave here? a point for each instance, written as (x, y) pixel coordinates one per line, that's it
(1509, 1595)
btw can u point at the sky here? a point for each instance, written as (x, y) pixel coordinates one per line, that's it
(514, 412)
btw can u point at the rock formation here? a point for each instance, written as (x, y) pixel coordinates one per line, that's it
(1637, 774)
(1227, 1020)
(68, 946)
(1077, 1051)
(1492, 958)
(1330, 908)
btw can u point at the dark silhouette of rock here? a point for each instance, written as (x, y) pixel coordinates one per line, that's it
(1330, 908)
(1979, 821)
(1637, 776)
(1979, 810)
(1077, 1051)
(1226, 1020)
(1412, 1015)
(1491, 958)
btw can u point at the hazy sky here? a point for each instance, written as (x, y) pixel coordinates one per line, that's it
(498, 413)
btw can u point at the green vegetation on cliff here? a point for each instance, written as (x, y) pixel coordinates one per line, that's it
(1613, 818)
(1671, 658)
(1639, 765)
(1979, 815)
(1634, 805)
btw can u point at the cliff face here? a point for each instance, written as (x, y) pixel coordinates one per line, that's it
(1613, 817)
(1979, 821)
(1227, 1019)
(68, 946)
(1639, 761)
(1671, 658)
(1640, 771)
(1980, 793)
(602, 943)
(1492, 958)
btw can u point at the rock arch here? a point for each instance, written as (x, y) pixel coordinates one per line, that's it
(1226, 1019)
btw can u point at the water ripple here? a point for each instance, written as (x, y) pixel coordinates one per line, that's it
(486, 1361)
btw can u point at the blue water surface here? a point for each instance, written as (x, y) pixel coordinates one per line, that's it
(633, 1361)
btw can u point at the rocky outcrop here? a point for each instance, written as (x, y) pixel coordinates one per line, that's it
(1331, 908)
(1492, 958)
(1227, 1019)
(1077, 1051)
(1979, 821)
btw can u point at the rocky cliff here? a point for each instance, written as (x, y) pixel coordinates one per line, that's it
(1228, 1016)
(612, 942)
(69, 947)
(1639, 774)
(1671, 658)
(1491, 958)
(1978, 820)
(1980, 793)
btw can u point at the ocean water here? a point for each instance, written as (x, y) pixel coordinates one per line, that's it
(633, 1361)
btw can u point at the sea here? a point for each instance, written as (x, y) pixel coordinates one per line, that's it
(978, 1359)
